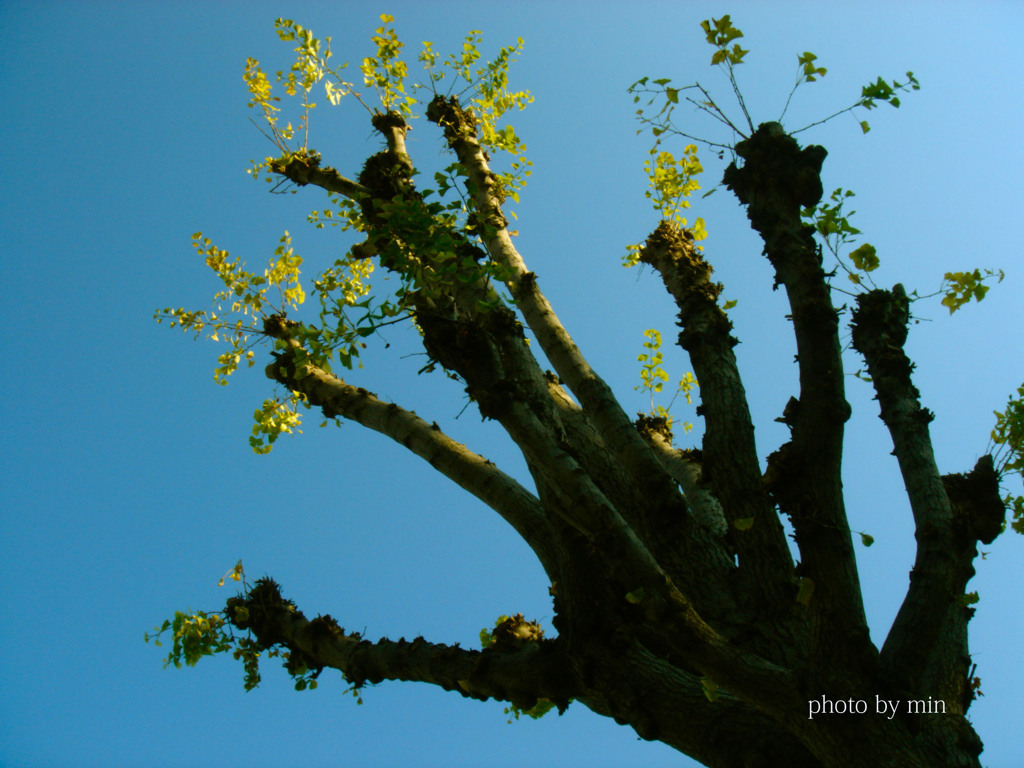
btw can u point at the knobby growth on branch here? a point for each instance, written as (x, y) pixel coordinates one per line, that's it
(680, 608)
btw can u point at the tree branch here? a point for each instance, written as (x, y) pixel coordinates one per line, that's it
(486, 347)
(932, 619)
(593, 393)
(778, 179)
(687, 472)
(522, 675)
(731, 466)
(304, 168)
(474, 473)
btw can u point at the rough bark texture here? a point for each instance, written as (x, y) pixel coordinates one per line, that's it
(671, 618)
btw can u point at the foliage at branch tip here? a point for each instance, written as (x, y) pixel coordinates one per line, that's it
(489, 100)
(872, 94)
(1007, 438)
(311, 67)
(671, 183)
(347, 317)
(386, 72)
(513, 633)
(431, 244)
(652, 380)
(959, 288)
(246, 291)
(273, 419)
(721, 34)
(197, 634)
(831, 221)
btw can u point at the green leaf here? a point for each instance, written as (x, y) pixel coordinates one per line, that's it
(1016, 504)
(635, 597)
(960, 287)
(865, 258)
(805, 591)
(811, 72)
(736, 54)
(867, 539)
(743, 524)
(537, 711)
(709, 687)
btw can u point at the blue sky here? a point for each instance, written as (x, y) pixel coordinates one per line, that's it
(129, 485)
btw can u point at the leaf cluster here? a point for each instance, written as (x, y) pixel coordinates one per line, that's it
(959, 288)
(311, 66)
(1008, 439)
(720, 33)
(653, 377)
(249, 304)
(386, 72)
(485, 90)
(831, 221)
(197, 634)
(273, 419)
(671, 182)
(425, 254)
(429, 243)
(193, 635)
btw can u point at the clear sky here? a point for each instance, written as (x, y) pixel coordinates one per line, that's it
(129, 488)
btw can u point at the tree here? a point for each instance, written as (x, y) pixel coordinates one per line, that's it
(680, 607)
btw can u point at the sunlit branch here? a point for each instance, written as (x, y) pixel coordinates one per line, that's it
(304, 169)
(593, 393)
(730, 453)
(469, 470)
